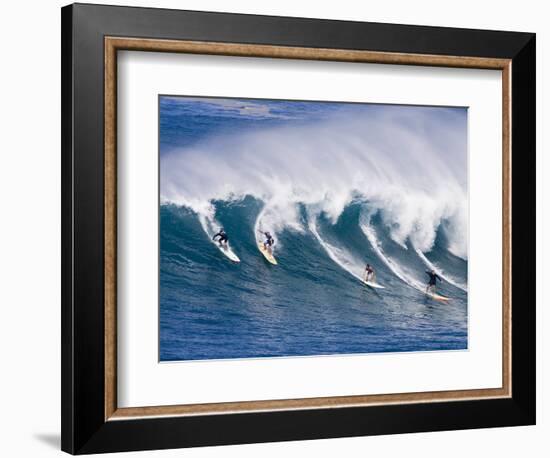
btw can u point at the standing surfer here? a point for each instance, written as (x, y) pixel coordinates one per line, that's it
(369, 273)
(430, 287)
(222, 240)
(268, 242)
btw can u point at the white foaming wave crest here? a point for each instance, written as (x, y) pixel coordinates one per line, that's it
(275, 216)
(208, 225)
(390, 162)
(440, 272)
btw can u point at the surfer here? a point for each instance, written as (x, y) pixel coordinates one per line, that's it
(369, 273)
(430, 287)
(222, 240)
(268, 242)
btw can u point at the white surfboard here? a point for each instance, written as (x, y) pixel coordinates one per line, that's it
(227, 251)
(267, 255)
(438, 297)
(373, 284)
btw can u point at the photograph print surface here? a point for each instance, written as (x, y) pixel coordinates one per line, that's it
(308, 228)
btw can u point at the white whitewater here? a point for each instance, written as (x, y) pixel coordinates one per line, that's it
(261, 226)
(258, 227)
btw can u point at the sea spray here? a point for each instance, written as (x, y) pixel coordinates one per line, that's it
(398, 169)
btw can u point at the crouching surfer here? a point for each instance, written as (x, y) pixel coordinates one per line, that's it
(222, 238)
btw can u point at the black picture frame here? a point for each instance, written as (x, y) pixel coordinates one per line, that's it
(84, 428)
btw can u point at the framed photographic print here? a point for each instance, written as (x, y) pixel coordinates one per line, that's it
(282, 228)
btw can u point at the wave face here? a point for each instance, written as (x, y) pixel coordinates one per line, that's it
(336, 192)
(312, 303)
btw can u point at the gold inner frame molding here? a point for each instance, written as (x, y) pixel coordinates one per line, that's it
(114, 44)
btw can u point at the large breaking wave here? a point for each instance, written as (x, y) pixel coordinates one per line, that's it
(312, 303)
(336, 194)
(411, 178)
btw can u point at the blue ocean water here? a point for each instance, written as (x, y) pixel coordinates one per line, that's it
(312, 302)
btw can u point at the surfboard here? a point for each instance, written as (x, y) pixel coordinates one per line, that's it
(373, 284)
(438, 297)
(267, 255)
(227, 251)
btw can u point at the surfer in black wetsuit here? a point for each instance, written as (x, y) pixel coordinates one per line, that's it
(430, 287)
(369, 273)
(222, 240)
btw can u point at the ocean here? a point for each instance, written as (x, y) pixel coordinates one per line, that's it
(339, 186)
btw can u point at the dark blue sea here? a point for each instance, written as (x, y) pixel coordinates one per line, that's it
(312, 302)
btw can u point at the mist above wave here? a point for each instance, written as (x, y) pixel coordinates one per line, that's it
(411, 168)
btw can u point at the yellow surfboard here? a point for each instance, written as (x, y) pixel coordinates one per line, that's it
(269, 256)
